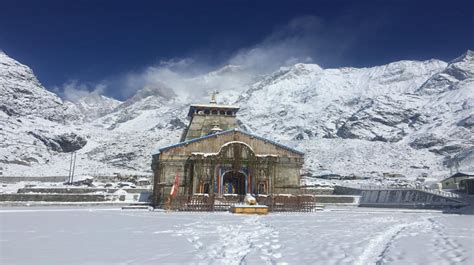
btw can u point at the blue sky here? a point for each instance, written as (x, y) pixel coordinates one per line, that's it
(96, 42)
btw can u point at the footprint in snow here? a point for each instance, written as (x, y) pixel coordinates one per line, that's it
(163, 232)
(277, 255)
(276, 246)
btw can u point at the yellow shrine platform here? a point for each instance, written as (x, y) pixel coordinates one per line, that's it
(249, 209)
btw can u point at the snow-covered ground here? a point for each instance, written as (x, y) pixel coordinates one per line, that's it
(338, 236)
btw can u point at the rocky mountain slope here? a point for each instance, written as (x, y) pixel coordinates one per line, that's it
(90, 107)
(23, 95)
(407, 117)
(362, 120)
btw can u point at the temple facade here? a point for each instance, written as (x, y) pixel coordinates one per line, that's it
(215, 157)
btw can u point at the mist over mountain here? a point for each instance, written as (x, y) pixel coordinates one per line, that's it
(408, 117)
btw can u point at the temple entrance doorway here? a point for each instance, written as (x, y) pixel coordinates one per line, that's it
(234, 183)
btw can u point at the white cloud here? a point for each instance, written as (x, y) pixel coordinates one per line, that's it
(73, 90)
(305, 39)
(293, 43)
(184, 81)
(288, 45)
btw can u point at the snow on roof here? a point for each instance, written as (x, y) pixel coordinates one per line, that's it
(463, 173)
(220, 106)
(459, 174)
(160, 150)
(229, 143)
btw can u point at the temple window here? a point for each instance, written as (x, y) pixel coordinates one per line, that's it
(214, 112)
(207, 112)
(229, 112)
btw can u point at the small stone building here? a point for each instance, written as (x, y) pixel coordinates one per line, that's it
(215, 157)
(452, 183)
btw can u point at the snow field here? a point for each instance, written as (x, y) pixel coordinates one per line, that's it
(358, 236)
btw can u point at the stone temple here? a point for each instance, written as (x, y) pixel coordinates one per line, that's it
(215, 157)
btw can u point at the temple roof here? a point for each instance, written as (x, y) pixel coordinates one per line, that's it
(160, 150)
(193, 107)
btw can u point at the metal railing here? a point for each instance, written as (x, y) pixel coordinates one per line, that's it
(275, 203)
(392, 187)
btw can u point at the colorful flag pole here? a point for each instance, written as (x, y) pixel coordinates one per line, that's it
(174, 191)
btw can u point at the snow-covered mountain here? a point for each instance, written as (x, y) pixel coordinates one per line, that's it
(365, 120)
(23, 95)
(406, 117)
(90, 107)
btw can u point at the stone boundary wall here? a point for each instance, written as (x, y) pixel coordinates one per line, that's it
(316, 191)
(406, 198)
(5, 179)
(337, 199)
(16, 197)
(78, 190)
(14, 179)
(399, 198)
(142, 197)
(340, 190)
(34, 204)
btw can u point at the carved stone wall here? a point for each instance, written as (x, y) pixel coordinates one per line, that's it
(268, 168)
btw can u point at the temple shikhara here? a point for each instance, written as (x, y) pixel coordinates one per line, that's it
(217, 158)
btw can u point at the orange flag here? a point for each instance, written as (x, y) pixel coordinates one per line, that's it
(174, 189)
